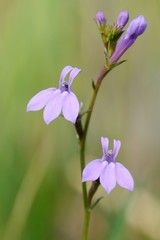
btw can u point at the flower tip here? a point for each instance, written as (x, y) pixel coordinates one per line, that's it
(73, 121)
(47, 119)
(131, 188)
(122, 19)
(109, 191)
(143, 24)
(27, 109)
(137, 26)
(83, 179)
(84, 176)
(101, 18)
(47, 122)
(78, 70)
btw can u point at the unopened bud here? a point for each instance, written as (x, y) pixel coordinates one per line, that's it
(101, 18)
(122, 19)
(137, 26)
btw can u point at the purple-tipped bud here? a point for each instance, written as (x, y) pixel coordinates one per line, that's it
(136, 28)
(122, 19)
(101, 18)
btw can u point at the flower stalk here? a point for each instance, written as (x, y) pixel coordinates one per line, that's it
(82, 133)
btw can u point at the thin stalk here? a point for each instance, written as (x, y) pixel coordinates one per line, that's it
(100, 77)
(82, 136)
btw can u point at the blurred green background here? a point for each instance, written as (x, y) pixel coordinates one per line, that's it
(40, 189)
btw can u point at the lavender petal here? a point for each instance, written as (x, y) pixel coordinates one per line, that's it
(73, 74)
(54, 107)
(117, 145)
(108, 177)
(40, 99)
(124, 178)
(105, 143)
(64, 73)
(92, 170)
(70, 108)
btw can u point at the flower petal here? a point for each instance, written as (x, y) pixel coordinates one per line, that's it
(92, 170)
(108, 177)
(64, 73)
(54, 107)
(73, 74)
(105, 143)
(124, 178)
(70, 108)
(40, 99)
(117, 145)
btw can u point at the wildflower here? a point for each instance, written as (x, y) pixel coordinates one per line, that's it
(136, 27)
(58, 100)
(107, 170)
(101, 19)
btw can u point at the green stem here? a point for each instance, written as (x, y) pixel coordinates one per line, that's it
(86, 225)
(82, 133)
(100, 77)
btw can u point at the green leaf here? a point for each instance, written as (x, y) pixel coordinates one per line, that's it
(95, 203)
(117, 64)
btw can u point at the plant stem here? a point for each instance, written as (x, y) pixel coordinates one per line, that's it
(100, 77)
(82, 133)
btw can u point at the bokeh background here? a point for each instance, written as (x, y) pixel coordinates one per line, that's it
(40, 189)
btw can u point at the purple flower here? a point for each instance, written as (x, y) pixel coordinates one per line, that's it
(136, 27)
(101, 18)
(107, 170)
(58, 100)
(122, 19)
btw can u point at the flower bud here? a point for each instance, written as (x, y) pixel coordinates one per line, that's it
(101, 18)
(122, 19)
(136, 28)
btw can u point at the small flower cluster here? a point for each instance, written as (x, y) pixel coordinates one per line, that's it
(115, 45)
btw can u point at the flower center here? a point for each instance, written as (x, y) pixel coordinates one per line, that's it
(109, 157)
(64, 87)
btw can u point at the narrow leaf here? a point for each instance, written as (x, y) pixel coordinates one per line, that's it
(95, 203)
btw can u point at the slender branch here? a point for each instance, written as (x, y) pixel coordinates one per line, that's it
(100, 77)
